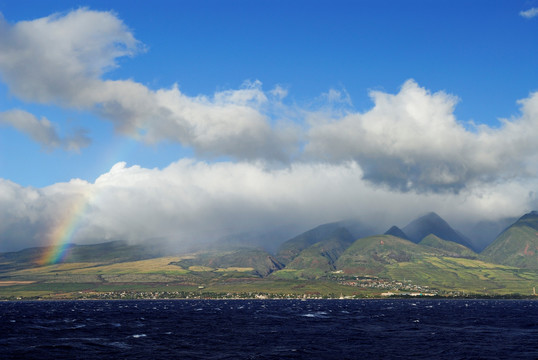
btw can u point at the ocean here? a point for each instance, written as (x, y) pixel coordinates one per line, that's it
(270, 329)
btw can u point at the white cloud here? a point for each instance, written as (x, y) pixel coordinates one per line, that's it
(334, 96)
(529, 14)
(412, 141)
(279, 92)
(60, 59)
(42, 131)
(54, 59)
(192, 202)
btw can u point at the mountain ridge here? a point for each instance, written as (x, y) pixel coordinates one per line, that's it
(432, 223)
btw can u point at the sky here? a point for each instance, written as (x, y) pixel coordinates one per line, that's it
(186, 121)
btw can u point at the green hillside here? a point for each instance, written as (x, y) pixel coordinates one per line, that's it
(372, 254)
(449, 248)
(460, 275)
(516, 246)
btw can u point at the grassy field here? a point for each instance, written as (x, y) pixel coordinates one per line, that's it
(465, 275)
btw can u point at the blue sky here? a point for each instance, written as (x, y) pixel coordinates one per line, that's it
(405, 99)
(481, 51)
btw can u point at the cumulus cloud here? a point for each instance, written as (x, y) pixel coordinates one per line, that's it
(57, 58)
(191, 202)
(409, 141)
(412, 141)
(61, 59)
(43, 131)
(529, 14)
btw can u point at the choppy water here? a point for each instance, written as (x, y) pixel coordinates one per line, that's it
(269, 329)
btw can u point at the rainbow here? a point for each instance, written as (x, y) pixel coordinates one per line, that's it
(62, 233)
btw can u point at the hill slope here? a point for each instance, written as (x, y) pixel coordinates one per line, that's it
(370, 255)
(517, 245)
(449, 248)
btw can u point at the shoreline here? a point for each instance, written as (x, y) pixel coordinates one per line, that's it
(414, 298)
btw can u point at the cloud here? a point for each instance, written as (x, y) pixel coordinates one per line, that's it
(29, 215)
(529, 14)
(334, 96)
(43, 131)
(56, 58)
(193, 202)
(61, 59)
(412, 141)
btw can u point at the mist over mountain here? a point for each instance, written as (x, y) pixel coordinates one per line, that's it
(484, 232)
(270, 240)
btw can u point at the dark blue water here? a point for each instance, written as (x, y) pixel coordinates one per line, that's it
(269, 329)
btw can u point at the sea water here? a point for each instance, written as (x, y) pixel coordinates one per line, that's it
(269, 329)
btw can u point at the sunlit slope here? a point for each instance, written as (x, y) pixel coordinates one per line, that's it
(467, 275)
(449, 248)
(372, 254)
(517, 245)
(442, 265)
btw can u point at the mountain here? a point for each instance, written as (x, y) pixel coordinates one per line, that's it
(354, 229)
(434, 224)
(449, 248)
(396, 231)
(517, 245)
(290, 249)
(320, 257)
